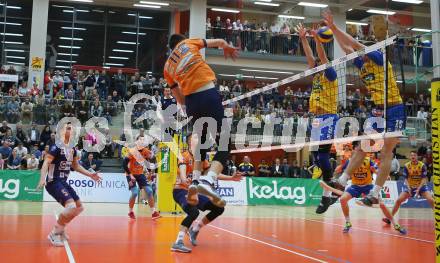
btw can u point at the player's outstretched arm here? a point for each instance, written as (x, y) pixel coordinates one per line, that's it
(228, 50)
(77, 167)
(307, 50)
(342, 37)
(44, 169)
(237, 176)
(319, 47)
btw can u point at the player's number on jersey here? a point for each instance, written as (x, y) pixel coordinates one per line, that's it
(399, 124)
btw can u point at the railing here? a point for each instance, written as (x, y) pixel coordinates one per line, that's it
(417, 127)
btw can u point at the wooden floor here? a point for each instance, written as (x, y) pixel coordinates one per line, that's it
(103, 233)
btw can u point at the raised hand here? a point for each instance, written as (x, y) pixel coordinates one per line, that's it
(237, 176)
(328, 18)
(301, 30)
(95, 177)
(230, 52)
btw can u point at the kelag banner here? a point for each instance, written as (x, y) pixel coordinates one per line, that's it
(283, 191)
(20, 185)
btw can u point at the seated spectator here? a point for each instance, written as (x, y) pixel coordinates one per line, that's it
(2, 162)
(33, 135)
(304, 172)
(10, 138)
(263, 169)
(246, 167)
(26, 111)
(5, 150)
(3, 109)
(67, 109)
(277, 170)
(45, 136)
(285, 168)
(13, 110)
(35, 151)
(422, 114)
(90, 163)
(21, 151)
(96, 109)
(295, 170)
(14, 161)
(32, 163)
(82, 111)
(23, 91)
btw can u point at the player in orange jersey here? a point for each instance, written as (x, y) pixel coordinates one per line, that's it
(135, 173)
(192, 83)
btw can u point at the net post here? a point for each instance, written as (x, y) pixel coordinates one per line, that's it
(435, 132)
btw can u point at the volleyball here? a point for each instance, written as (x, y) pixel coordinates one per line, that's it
(325, 34)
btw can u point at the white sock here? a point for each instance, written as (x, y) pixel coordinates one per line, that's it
(199, 225)
(343, 178)
(347, 219)
(153, 209)
(211, 176)
(58, 228)
(327, 193)
(376, 190)
(196, 175)
(180, 236)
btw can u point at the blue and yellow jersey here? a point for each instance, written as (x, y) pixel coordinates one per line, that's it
(414, 173)
(246, 168)
(373, 75)
(324, 97)
(364, 174)
(316, 172)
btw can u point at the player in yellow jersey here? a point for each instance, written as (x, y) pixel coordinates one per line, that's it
(361, 184)
(415, 173)
(371, 68)
(192, 203)
(192, 83)
(323, 105)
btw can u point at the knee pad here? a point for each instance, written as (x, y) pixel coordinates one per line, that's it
(149, 191)
(69, 211)
(215, 212)
(221, 157)
(78, 210)
(134, 192)
(192, 214)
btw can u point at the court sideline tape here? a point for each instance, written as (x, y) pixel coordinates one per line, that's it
(66, 246)
(269, 244)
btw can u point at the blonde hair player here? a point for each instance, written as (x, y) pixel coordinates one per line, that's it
(54, 173)
(323, 104)
(372, 73)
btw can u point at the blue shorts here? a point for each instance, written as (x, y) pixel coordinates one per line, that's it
(412, 191)
(61, 191)
(357, 191)
(141, 180)
(395, 119)
(327, 132)
(179, 196)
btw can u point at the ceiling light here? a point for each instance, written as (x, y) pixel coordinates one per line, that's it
(74, 28)
(356, 23)
(98, 11)
(15, 63)
(258, 77)
(114, 64)
(67, 54)
(266, 3)
(349, 84)
(13, 42)
(142, 17)
(60, 66)
(225, 10)
(351, 9)
(84, 1)
(399, 81)
(11, 34)
(65, 61)
(15, 50)
(409, 1)
(292, 17)
(77, 10)
(312, 4)
(266, 71)
(380, 12)
(124, 58)
(420, 29)
(72, 47)
(16, 57)
(133, 33)
(62, 6)
(11, 6)
(123, 50)
(149, 72)
(71, 38)
(126, 42)
(147, 6)
(154, 3)
(11, 24)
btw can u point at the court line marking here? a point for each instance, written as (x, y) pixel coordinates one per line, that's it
(268, 244)
(373, 231)
(66, 246)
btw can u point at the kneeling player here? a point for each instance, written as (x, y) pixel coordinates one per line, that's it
(54, 173)
(135, 168)
(362, 183)
(191, 202)
(414, 172)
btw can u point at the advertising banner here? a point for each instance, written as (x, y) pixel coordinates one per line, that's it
(20, 185)
(234, 193)
(283, 191)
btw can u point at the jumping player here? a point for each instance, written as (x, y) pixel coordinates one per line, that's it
(192, 83)
(415, 173)
(371, 70)
(323, 104)
(54, 172)
(361, 184)
(135, 173)
(191, 202)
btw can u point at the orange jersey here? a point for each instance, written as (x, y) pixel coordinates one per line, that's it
(134, 166)
(187, 68)
(188, 160)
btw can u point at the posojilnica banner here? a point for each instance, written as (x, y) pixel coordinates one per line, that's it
(283, 191)
(20, 185)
